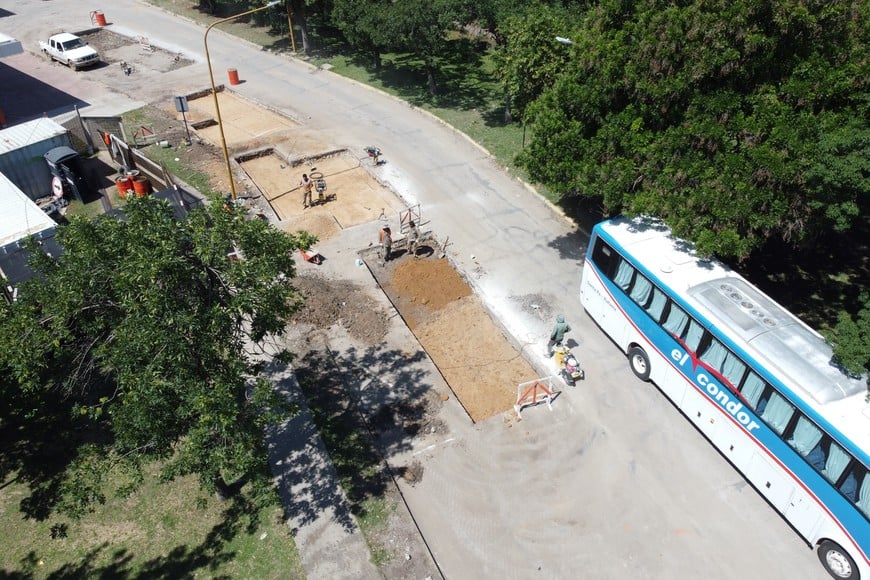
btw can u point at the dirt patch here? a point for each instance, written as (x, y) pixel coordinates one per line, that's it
(329, 302)
(245, 126)
(476, 359)
(138, 53)
(351, 195)
(320, 224)
(422, 287)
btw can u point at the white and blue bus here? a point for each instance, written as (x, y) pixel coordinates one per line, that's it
(755, 380)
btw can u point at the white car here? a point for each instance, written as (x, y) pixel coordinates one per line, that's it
(70, 50)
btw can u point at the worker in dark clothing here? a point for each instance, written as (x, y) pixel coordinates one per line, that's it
(386, 242)
(558, 333)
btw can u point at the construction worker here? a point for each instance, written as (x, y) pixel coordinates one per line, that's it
(386, 242)
(413, 238)
(306, 184)
(558, 333)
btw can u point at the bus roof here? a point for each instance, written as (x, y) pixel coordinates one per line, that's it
(774, 337)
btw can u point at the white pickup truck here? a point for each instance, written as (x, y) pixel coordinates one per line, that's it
(70, 50)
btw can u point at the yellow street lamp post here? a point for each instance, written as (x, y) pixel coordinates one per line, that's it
(214, 90)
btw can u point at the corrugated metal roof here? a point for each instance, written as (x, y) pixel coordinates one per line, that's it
(24, 134)
(19, 215)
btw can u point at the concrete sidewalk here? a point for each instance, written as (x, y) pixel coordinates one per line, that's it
(326, 534)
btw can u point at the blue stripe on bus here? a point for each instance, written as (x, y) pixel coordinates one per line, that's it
(764, 430)
(835, 433)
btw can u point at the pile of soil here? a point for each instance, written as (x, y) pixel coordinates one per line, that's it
(329, 302)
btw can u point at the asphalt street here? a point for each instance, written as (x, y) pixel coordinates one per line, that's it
(634, 490)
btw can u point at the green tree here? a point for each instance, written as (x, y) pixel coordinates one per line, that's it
(851, 340)
(733, 121)
(360, 21)
(139, 339)
(528, 59)
(420, 27)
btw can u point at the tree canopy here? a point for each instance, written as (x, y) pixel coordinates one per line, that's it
(851, 340)
(136, 342)
(528, 59)
(733, 121)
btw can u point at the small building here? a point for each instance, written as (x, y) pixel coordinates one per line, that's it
(22, 151)
(20, 218)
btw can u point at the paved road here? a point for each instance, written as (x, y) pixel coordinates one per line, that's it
(613, 482)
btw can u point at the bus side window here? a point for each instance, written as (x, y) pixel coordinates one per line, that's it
(624, 275)
(856, 488)
(604, 257)
(818, 449)
(692, 335)
(836, 461)
(657, 305)
(733, 369)
(753, 386)
(775, 410)
(806, 439)
(641, 290)
(675, 319)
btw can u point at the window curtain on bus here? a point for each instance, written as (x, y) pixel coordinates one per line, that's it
(715, 355)
(777, 412)
(752, 389)
(676, 320)
(657, 304)
(693, 336)
(805, 438)
(623, 275)
(641, 290)
(733, 369)
(836, 463)
(864, 496)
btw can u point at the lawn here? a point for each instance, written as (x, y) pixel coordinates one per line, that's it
(167, 530)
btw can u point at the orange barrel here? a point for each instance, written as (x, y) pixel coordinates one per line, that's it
(124, 184)
(141, 186)
(100, 18)
(233, 74)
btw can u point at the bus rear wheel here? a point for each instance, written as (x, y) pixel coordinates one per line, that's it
(639, 362)
(837, 562)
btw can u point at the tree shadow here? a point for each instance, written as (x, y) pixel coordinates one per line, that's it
(818, 280)
(583, 212)
(340, 393)
(462, 82)
(37, 448)
(241, 516)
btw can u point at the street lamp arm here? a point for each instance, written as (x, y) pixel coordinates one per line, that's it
(227, 19)
(564, 40)
(217, 108)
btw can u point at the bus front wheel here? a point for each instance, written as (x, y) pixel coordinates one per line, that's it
(639, 362)
(837, 562)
